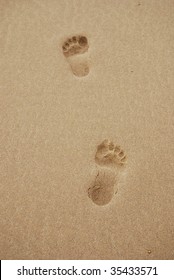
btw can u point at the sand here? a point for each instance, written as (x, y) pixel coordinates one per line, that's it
(63, 193)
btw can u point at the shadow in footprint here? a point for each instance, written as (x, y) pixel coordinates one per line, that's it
(75, 50)
(103, 187)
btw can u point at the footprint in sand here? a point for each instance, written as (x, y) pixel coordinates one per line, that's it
(103, 188)
(75, 50)
(110, 155)
(110, 159)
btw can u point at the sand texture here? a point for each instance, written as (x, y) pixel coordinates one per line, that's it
(86, 129)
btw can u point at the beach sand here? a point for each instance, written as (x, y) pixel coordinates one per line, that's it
(86, 129)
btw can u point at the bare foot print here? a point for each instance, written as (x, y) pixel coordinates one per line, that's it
(75, 50)
(103, 188)
(109, 154)
(109, 158)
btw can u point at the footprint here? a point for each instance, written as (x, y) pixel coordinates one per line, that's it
(109, 154)
(109, 158)
(103, 187)
(75, 50)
